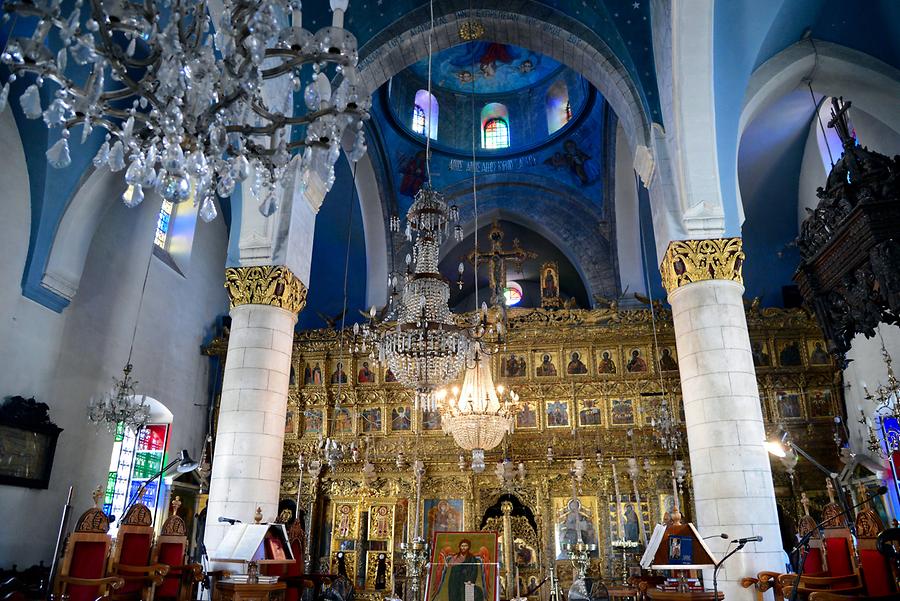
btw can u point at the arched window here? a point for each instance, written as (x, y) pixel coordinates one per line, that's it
(425, 114)
(559, 111)
(494, 126)
(163, 223)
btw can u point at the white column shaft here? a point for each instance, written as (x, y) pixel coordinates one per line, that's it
(246, 471)
(733, 489)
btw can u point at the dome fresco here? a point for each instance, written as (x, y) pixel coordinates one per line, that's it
(488, 67)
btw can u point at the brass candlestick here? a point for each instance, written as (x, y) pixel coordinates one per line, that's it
(415, 553)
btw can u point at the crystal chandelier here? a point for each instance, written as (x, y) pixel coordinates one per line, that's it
(478, 415)
(120, 405)
(189, 102)
(419, 339)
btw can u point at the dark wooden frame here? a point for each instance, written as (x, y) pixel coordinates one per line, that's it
(31, 417)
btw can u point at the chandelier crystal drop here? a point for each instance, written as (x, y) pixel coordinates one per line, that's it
(480, 414)
(419, 338)
(194, 96)
(121, 405)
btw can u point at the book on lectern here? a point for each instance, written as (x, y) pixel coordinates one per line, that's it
(677, 547)
(262, 543)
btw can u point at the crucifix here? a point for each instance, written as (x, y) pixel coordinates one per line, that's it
(496, 257)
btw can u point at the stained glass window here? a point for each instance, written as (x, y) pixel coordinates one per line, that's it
(559, 110)
(162, 224)
(136, 457)
(496, 133)
(418, 124)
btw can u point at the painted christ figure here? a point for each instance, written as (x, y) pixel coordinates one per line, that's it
(462, 569)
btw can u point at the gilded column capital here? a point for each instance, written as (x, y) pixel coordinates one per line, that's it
(688, 261)
(273, 285)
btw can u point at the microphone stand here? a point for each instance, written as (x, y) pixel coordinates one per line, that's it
(719, 563)
(804, 542)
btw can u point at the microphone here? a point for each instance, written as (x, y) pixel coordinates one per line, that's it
(749, 539)
(723, 535)
(231, 521)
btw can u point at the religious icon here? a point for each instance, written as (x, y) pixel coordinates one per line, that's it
(576, 366)
(343, 422)
(442, 515)
(497, 259)
(820, 404)
(312, 375)
(637, 363)
(312, 420)
(365, 375)
(622, 412)
(788, 403)
(344, 521)
(583, 168)
(557, 414)
(389, 376)
(589, 414)
(817, 354)
(546, 367)
(431, 420)
(414, 173)
(575, 521)
(339, 376)
(789, 355)
(513, 366)
(606, 364)
(666, 507)
(463, 567)
(370, 420)
(400, 419)
(760, 356)
(289, 422)
(381, 520)
(667, 360)
(527, 416)
(292, 379)
(526, 556)
(630, 523)
(550, 285)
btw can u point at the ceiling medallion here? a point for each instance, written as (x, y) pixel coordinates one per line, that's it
(471, 29)
(195, 97)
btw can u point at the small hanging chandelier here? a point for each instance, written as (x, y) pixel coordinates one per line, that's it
(478, 415)
(120, 405)
(195, 96)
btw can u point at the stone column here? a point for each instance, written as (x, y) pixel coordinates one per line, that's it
(733, 488)
(246, 469)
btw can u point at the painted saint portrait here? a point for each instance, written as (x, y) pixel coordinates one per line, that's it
(574, 520)
(549, 284)
(789, 356)
(389, 376)
(576, 366)
(312, 374)
(820, 404)
(370, 420)
(513, 366)
(622, 412)
(461, 561)
(546, 367)
(339, 376)
(557, 414)
(414, 171)
(631, 525)
(581, 166)
(442, 515)
(527, 416)
(589, 414)
(667, 360)
(636, 362)
(605, 364)
(289, 422)
(365, 375)
(343, 421)
(817, 354)
(788, 403)
(401, 419)
(760, 356)
(431, 420)
(292, 379)
(312, 420)
(666, 507)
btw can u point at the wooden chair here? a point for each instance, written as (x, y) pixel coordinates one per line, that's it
(764, 581)
(840, 553)
(850, 584)
(876, 568)
(131, 557)
(171, 548)
(294, 574)
(83, 569)
(814, 563)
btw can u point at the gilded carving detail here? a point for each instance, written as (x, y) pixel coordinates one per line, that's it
(688, 261)
(273, 285)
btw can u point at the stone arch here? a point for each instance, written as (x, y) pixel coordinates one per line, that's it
(370, 206)
(530, 26)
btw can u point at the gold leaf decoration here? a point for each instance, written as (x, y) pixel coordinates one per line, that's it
(689, 261)
(273, 285)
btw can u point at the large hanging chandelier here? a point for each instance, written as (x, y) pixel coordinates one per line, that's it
(121, 405)
(191, 103)
(419, 339)
(479, 414)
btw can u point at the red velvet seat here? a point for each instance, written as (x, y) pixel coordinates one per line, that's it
(171, 550)
(876, 568)
(131, 557)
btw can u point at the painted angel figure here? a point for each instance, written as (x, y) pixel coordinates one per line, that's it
(460, 571)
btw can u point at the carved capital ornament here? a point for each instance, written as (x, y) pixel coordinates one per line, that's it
(273, 285)
(689, 261)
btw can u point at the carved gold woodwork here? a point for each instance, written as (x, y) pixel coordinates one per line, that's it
(688, 261)
(273, 285)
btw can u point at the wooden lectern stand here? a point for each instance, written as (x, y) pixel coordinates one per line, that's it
(252, 545)
(680, 549)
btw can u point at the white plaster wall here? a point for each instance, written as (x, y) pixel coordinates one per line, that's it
(628, 238)
(93, 337)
